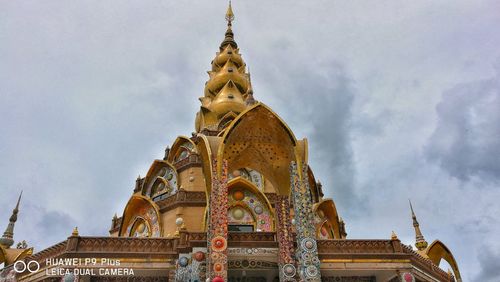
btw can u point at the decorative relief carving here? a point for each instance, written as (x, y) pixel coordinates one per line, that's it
(286, 262)
(307, 252)
(125, 245)
(217, 228)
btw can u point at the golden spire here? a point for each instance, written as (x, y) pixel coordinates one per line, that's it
(229, 14)
(7, 239)
(228, 89)
(420, 243)
(229, 39)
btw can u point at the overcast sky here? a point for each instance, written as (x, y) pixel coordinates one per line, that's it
(398, 99)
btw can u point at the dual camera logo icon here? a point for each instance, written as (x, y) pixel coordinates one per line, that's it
(21, 266)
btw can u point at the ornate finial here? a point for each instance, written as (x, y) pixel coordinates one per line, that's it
(7, 238)
(229, 39)
(420, 243)
(229, 14)
(394, 236)
(75, 232)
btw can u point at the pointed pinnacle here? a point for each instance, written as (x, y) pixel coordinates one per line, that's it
(19, 200)
(413, 216)
(229, 14)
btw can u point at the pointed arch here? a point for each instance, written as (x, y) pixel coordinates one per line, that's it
(152, 175)
(328, 209)
(437, 251)
(141, 207)
(254, 199)
(259, 139)
(252, 187)
(177, 147)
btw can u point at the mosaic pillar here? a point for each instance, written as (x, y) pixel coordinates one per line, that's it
(217, 226)
(286, 262)
(307, 251)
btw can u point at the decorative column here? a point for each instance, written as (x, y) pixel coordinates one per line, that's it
(307, 251)
(286, 262)
(217, 226)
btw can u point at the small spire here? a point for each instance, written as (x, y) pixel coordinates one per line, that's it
(394, 236)
(420, 243)
(75, 232)
(138, 181)
(7, 238)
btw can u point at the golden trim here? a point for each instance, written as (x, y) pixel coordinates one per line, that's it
(365, 261)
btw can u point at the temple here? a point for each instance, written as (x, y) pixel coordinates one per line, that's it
(235, 201)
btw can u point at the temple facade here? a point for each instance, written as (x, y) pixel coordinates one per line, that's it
(235, 201)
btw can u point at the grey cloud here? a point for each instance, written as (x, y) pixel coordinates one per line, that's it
(466, 141)
(489, 260)
(316, 100)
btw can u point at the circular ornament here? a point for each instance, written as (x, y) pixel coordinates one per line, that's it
(170, 176)
(218, 267)
(289, 270)
(408, 277)
(219, 243)
(311, 271)
(199, 256)
(179, 221)
(238, 195)
(306, 257)
(258, 209)
(308, 244)
(316, 260)
(218, 279)
(238, 213)
(183, 261)
(245, 263)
